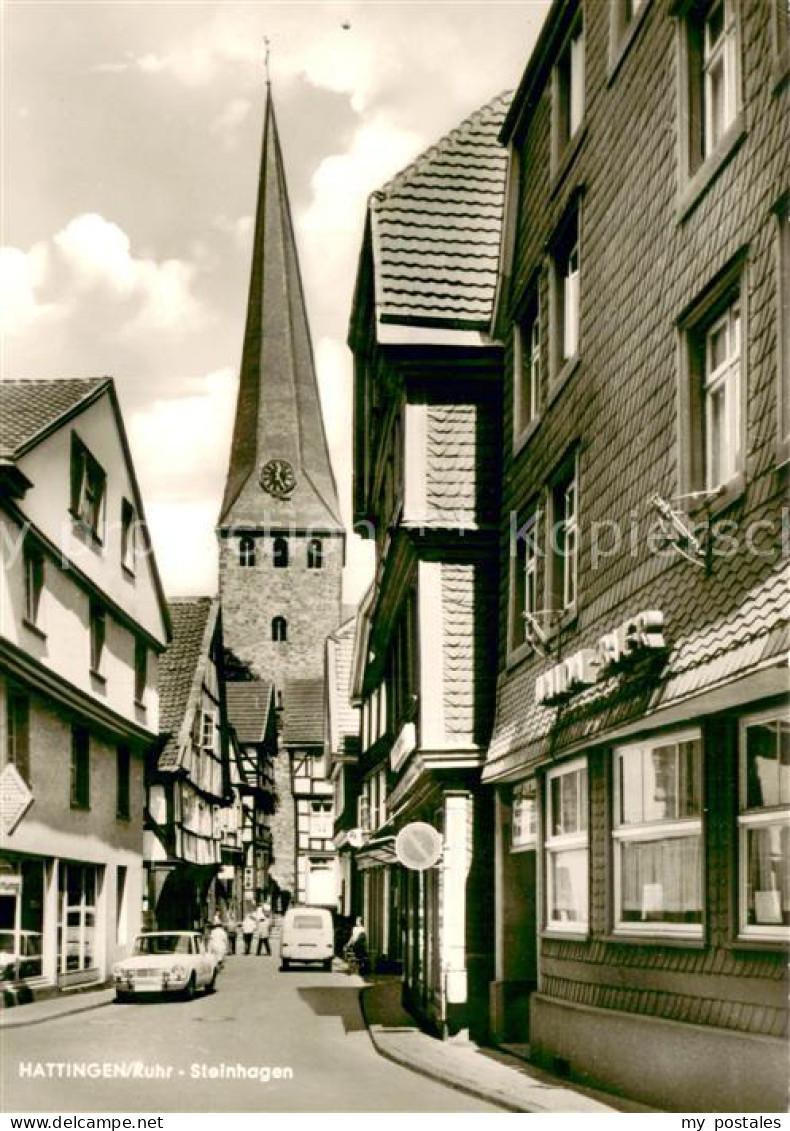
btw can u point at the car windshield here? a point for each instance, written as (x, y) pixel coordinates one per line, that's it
(162, 944)
(308, 922)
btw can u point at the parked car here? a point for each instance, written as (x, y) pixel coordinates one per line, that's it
(20, 955)
(307, 935)
(166, 962)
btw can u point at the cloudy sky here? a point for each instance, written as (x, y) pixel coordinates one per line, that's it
(131, 141)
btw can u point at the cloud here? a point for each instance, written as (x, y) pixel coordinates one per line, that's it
(231, 117)
(239, 229)
(22, 274)
(181, 444)
(185, 546)
(97, 255)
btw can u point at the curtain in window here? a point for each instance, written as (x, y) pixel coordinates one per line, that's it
(661, 880)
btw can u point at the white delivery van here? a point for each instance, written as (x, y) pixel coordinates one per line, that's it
(307, 935)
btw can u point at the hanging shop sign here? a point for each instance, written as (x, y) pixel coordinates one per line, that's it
(616, 651)
(418, 846)
(15, 798)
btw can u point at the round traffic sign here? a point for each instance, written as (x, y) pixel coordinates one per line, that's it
(418, 846)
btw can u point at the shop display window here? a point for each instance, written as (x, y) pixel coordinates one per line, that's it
(567, 848)
(21, 919)
(77, 895)
(764, 827)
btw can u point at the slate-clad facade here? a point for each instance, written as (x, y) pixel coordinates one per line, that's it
(640, 750)
(426, 466)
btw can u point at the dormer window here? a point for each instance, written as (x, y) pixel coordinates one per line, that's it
(247, 552)
(315, 553)
(280, 553)
(88, 488)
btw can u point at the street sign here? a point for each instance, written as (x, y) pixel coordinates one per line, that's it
(418, 846)
(15, 798)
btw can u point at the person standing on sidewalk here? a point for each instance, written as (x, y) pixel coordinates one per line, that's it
(248, 925)
(263, 930)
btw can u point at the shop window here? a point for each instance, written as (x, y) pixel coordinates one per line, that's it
(80, 768)
(524, 555)
(77, 891)
(88, 489)
(524, 826)
(764, 826)
(526, 368)
(140, 670)
(21, 919)
(280, 553)
(279, 630)
(564, 538)
(568, 92)
(713, 395)
(34, 585)
(565, 297)
(247, 552)
(128, 536)
(18, 732)
(567, 850)
(122, 783)
(710, 102)
(657, 835)
(315, 553)
(98, 631)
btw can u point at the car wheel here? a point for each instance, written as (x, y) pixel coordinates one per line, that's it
(328, 964)
(189, 992)
(211, 985)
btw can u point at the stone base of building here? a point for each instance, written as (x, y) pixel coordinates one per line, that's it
(508, 1010)
(666, 1064)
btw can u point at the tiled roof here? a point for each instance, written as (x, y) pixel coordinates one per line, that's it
(303, 722)
(700, 659)
(29, 407)
(191, 618)
(248, 708)
(437, 227)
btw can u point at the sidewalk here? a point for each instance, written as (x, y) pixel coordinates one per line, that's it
(486, 1073)
(36, 1012)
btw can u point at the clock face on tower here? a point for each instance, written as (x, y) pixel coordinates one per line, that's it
(277, 477)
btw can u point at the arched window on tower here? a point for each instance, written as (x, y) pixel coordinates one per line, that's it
(279, 630)
(280, 553)
(246, 551)
(315, 553)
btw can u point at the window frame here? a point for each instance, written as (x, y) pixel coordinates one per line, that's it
(751, 818)
(80, 778)
(315, 554)
(780, 31)
(558, 578)
(654, 830)
(98, 637)
(140, 670)
(88, 490)
(280, 552)
(566, 842)
(35, 584)
(246, 551)
(17, 737)
(565, 243)
(524, 831)
(525, 554)
(623, 27)
(527, 367)
(730, 288)
(567, 128)
(279, 629)
(128, 537)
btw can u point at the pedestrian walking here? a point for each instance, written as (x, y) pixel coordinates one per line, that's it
(263, 930)
(218, 942)
(231, 928)
(248, 925)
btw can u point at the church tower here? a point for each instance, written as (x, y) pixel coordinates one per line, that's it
(281, 539)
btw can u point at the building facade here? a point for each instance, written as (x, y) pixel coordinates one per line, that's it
(281, 538)
(341, 752)
(640, 752)
(426, 472)
(189, 808)
(82, 623)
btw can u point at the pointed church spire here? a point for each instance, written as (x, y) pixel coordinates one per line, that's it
(280, 474)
